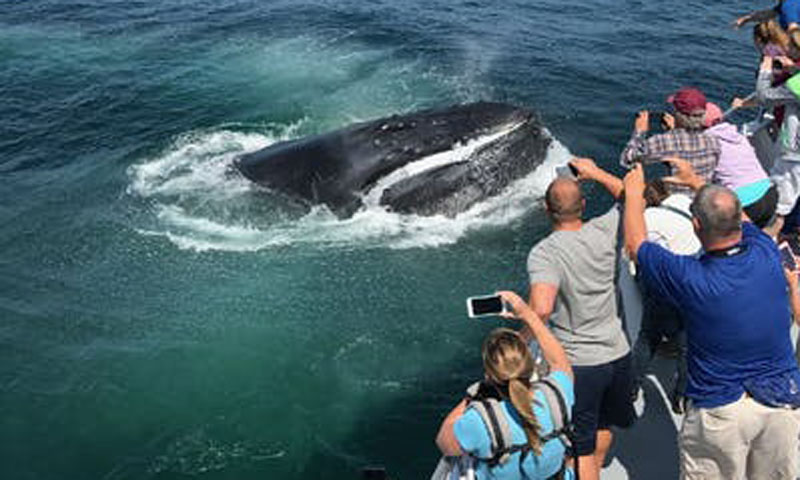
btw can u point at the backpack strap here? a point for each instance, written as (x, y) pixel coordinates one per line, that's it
(562, 424)
(491, 412)
(674, 210)
(559, 412)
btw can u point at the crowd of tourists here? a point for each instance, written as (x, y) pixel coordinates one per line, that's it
(701, 246)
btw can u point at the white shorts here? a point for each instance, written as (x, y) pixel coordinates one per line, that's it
(786, 176)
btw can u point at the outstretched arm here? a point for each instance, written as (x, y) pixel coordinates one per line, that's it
(552, 351)
(757, 16)
(633, 220)
(588, 170)
(766, 94)
(637, 147)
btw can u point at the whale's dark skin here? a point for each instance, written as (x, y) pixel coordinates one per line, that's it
(338, 167)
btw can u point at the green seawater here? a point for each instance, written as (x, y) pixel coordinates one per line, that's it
(160, 318)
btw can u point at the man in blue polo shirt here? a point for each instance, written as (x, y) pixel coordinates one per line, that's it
(744, 383)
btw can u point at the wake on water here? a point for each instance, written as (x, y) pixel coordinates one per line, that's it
(201, 203)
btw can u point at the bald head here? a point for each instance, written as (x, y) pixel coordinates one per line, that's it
(564, 200)
(718, 211)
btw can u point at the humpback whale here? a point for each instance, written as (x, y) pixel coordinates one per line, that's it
(402, 161)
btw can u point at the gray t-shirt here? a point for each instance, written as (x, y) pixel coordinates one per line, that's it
(582, 264)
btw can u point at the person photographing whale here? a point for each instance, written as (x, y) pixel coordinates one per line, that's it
(683, 137)
(573, 287)
(743, 384)
(534, 447)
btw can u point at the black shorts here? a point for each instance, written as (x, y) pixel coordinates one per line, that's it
(603, 398)
(762, 211)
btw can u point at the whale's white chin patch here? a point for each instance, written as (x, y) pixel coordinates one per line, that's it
(460, 152)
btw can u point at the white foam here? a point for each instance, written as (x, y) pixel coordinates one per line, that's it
(192, 173)
(197, 162)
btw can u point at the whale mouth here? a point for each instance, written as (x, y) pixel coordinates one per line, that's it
(461, 152)
(194, 205)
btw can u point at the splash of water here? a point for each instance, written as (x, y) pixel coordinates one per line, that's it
(201, 206)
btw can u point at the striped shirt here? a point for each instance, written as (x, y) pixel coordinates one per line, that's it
(701, 150)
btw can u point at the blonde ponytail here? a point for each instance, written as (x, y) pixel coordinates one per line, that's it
(507, 360)
(521, 399)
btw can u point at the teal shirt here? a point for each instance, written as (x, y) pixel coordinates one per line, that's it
(473, 437)
(752, 192)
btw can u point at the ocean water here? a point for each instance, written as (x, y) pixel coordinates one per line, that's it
(161, 318)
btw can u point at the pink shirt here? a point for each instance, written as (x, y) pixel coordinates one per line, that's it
(738, 164)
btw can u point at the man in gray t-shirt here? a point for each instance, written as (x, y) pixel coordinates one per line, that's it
(581, 265)
(572, 274)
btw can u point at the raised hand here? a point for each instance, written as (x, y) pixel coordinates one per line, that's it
(519, 308)
(634, 181)
(642, 123)
(668, 121)
(586, 168)
(683, 173)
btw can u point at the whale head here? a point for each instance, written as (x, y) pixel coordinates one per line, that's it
(391, 158)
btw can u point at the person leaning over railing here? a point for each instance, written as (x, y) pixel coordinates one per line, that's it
(742, 420)
(508, 366)
(786, 170)
(739, 169)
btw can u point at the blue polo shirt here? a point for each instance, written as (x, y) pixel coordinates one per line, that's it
(789, 12)
(736, 310)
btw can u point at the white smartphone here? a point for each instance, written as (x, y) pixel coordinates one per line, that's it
(485, 305)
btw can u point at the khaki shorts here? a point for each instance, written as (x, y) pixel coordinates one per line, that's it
(740, 440)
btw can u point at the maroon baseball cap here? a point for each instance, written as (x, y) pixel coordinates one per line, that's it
(688, 100)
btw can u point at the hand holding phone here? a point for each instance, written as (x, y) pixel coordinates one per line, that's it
(667, 121)
(787, 257)
(568, 170)
(642, 123)
(485, 305)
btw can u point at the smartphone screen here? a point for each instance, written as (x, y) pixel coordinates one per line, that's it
(787, 258)
(490, 305)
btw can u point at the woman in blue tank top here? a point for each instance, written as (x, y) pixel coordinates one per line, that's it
(536, 451)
